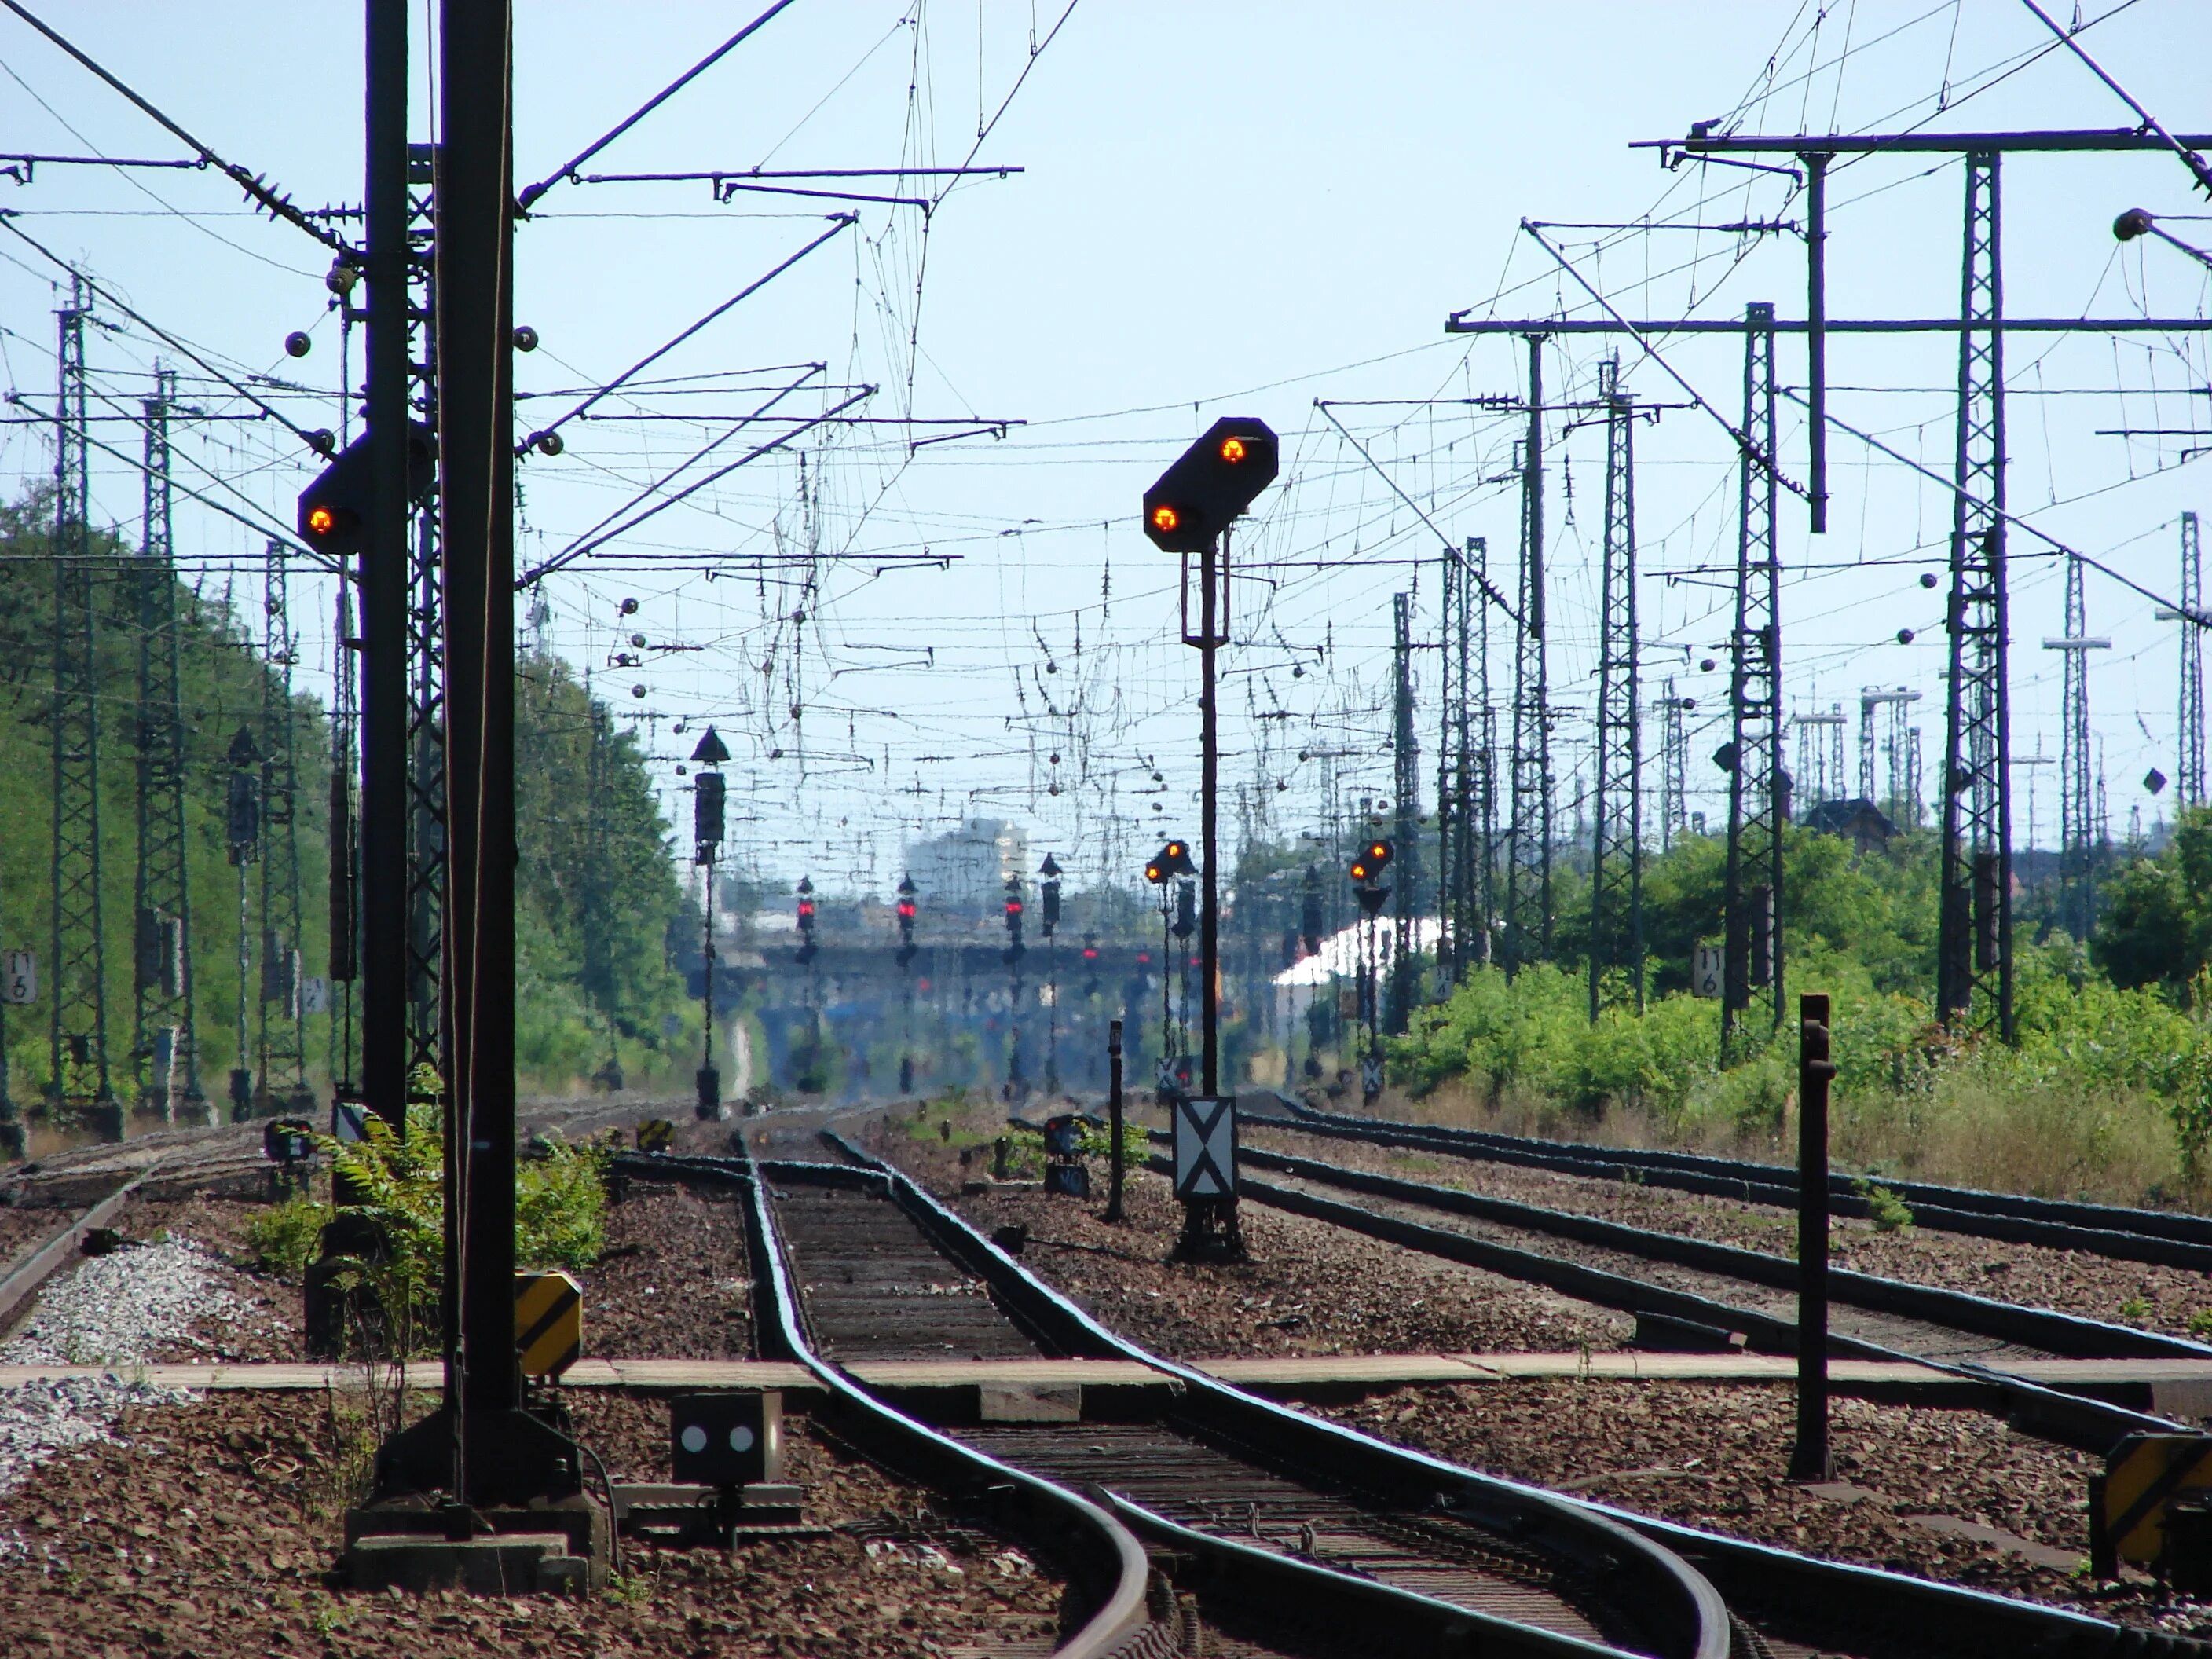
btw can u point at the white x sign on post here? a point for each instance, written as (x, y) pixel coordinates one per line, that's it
(1206, 1147)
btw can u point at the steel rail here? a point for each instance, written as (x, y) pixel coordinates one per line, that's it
(1676, 1598)
(2089, 1424)
(1103, 1557)
(1802, 1598)
(2162, 1237)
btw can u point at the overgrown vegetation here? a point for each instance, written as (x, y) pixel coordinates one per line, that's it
(560, 1221)
(2108, 1092)
(597, 893)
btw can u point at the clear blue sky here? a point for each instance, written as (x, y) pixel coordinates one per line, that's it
(1228, 208)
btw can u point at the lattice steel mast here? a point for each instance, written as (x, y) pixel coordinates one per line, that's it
(1616, 944)
(78, 1083)
(1758, 785)
(426, 659)
(2077, 806)
(1529, 841)
(1458, 807)
(2189, 737)
(1405, 802)
(1673, 766)
(1973, 974)
(165, 1033)
(280, 1035)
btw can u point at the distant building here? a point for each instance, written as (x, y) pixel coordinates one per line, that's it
(960, 877)
(1860, 821)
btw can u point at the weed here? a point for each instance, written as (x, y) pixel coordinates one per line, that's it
(2135, 1307)
(1888, 1213)
(2200, 1323)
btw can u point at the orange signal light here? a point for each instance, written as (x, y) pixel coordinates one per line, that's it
(1232, 449)
(1166, 519)
(321, 520)
(1378, 850)
(1360, 870)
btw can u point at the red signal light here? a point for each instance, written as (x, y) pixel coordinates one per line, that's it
(1232, 449)
(321, 520)
(1165, 519)
(906, 909)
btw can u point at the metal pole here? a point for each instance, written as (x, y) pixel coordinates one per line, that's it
(475, 189)
(1209, 934)
(709, 1103)
(1816, 336)
(1809, 1460)
(1113, 1120)
(383, 579)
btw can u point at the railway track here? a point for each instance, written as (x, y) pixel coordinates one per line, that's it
(1779, 1602)
(2166, 1239)
(1694, 1291)
(1297, 1538)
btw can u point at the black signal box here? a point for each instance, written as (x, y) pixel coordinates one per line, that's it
(1213, 481)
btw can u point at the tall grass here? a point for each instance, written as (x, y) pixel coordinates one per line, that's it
(2108, 1093)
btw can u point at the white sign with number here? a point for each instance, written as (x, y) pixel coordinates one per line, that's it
(19, 977)
(1705, 971)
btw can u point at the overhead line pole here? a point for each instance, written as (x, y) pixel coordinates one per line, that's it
(383, 580)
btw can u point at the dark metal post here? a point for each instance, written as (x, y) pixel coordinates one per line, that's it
(709, 1104)
(1809, 1460)
(1816, 336)
(383, 577)
(475, 418)
(1113, 1120)
(1209, 925)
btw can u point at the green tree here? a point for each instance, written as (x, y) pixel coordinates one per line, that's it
(2156, 925)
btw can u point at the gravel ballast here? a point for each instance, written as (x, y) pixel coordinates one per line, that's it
(2153, 1298)
(214, 1534)
(1309, 1288)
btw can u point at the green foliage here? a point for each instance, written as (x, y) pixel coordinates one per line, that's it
(283, 1238)
(560, 1221)
(1888, 1213)
(2190, 1108)
(2156, 925)
(221, 682)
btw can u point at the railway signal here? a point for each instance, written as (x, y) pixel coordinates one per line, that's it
(709, 793)
(1048, 895)
(1213, 481)
(806, 919)
(906, 950)
(1014, 946)
(333, 511)
(1189, 510)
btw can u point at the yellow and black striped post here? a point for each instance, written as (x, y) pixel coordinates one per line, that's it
(548, 1322)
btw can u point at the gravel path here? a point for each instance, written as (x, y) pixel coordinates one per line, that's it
(214, 1534)
(2124, 1292)
(1309, 1288)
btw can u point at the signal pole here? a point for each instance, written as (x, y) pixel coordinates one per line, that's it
(706, 827)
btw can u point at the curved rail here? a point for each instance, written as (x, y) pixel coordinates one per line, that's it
(1684, 1611)
(2163, 1237)
(1805, 1600)
(1105, 1560)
